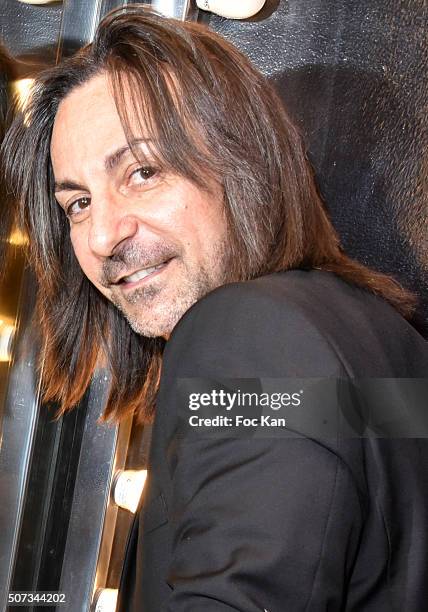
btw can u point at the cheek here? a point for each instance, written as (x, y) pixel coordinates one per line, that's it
(209, 225)
(198, 217)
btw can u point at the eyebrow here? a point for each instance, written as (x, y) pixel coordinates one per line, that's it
(68, 186)
(110, 163)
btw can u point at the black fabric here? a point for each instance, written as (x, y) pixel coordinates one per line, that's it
(282, 524)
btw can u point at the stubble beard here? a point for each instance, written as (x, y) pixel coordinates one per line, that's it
(149, 317)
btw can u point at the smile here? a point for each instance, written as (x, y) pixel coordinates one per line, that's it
(133, 278)
(140, 275)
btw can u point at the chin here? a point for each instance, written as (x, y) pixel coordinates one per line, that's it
(150, 331)
(151, 328)
(156, 315)
(159, 324)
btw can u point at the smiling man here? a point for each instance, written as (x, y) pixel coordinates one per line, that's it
(176, 231)
(150, 240)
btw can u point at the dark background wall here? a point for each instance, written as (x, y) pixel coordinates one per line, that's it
(29, 31)
(354, 77)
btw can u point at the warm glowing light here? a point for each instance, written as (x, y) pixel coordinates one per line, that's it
(127, 488)
(6, 336)
(105, 600)
(22, 90)
(18, 238)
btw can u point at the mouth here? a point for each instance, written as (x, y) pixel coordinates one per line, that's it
(140, 276)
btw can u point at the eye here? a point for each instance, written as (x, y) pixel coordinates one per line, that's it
(142, 175)
(77, 208)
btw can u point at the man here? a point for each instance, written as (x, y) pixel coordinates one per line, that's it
(174, 221)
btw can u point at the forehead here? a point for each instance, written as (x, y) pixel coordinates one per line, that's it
(87, 126)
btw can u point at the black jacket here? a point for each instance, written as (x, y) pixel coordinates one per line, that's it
(290, 523)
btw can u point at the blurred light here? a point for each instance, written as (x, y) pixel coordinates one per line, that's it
(128, 486)
(18, 238)
(6, 337)
(105, 600)
(232, 10)
(39, 1)
(22, 90)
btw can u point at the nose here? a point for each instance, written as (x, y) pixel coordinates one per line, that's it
(110, 224)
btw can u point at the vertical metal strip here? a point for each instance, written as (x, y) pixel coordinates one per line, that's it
(18, 431)
(79, 22)
(90, 499)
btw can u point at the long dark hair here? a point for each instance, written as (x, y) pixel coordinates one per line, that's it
(6, 204)
(210, 113)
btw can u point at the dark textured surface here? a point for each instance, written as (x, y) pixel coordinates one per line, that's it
(29, 31)
(353, 75)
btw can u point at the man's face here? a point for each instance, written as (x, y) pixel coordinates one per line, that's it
(151, 242)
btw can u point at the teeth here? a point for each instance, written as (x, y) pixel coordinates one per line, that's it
(133, 278)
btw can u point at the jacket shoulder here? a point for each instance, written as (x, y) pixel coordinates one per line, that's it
(250, 328)
(309, 308)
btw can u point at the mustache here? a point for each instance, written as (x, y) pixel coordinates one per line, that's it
(134, 256)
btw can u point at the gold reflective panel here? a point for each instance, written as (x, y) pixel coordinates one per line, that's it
(10, 289)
